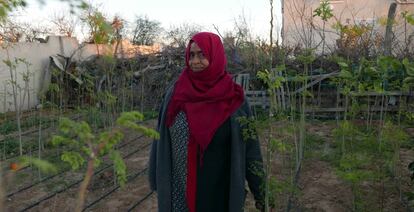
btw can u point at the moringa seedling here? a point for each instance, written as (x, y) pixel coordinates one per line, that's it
(86, 147)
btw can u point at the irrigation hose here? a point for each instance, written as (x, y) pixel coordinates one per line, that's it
(140, 201)
(62, 172)
(76, 182)
(114, 189)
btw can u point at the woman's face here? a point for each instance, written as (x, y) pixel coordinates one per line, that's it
(198, 61)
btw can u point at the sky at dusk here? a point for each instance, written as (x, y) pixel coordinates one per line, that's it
(220, 13)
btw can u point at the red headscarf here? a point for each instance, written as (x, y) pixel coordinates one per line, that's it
(208, 98)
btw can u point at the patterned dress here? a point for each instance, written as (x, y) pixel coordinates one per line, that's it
(179, 141)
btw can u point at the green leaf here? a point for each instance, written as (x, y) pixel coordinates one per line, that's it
(361, 87)
(43, 165)
(409, 17)
(129, 119)
(66, 125)
(57, 140)
(96, 162)
(409, 81)
(307, 93)
(307, 57)
(345, 74)
(132, 116)
(110, 139)
(409, 67)
(8, 63)
(83, 5)
(119, 166)
(277, 83)
(281, 68)
(324, 11)
(343, 64)
(264, 76)
(248, 128)
(73, 158)
(277, 145)
(84, 132)
(378, 87)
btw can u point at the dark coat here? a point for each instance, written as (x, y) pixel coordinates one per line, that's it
(246, 162)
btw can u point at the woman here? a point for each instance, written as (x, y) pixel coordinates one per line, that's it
(201, 161)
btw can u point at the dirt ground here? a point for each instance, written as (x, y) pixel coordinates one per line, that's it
(318, 188)
(322, 190)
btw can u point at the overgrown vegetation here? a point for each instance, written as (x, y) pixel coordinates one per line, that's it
(363, 98)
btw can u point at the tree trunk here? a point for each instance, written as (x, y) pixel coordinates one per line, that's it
(388, 30)
(84, 186)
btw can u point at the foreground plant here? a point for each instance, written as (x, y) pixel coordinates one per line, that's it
(89, 148)
(23, 161)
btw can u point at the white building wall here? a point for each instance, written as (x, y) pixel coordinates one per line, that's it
(301, 28)
(37, 55)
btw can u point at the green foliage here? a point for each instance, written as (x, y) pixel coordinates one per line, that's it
(145, 31)
(107, 97)
(75, 159)
(130, 119)
(393, 135)
(408, 17)
(381, 75)
(355, 176)
(42, 165)
(54, 88)
(345, 133)
(7, 6)
(7, 127)
(111, 139)
(79, 137)
(87, 146)
(277, 145)
(72, 128)
(10, 126)
(354, 161)
(392, 138)
(12, 64)
(366, 155)
(119, 166)
(94, 117)
(100, 29)
(354, 168)
(9, 146)
(150, 114)
(316, 146)
(307, 57)
(409, 69)
(60, 140)
(279, 187)
(324, 11)
(271, 80)
(248, 128)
